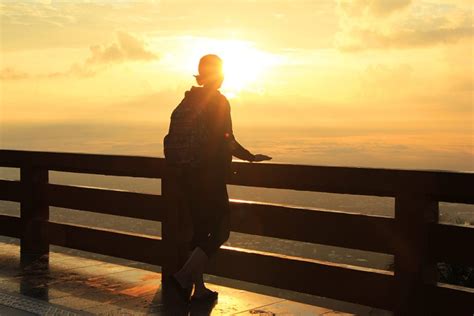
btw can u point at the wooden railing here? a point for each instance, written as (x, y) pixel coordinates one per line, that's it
(413, 236)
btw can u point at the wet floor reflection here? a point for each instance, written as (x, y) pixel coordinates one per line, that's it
(94, 286)
(34, 275)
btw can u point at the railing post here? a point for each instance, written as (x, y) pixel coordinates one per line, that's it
(34, 212)
(414, 266)
(175, 226)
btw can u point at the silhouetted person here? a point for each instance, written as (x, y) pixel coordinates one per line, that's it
(201, 143)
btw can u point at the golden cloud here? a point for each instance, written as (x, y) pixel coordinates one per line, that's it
(373, 7)
(9, 73)
(126, 48)
(366, 25)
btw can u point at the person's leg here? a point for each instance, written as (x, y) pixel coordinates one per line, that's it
(198, 239)
(196, 257)
(211, 225)
(197, 198)
(186, 275)
(198, 280)
(219, 234)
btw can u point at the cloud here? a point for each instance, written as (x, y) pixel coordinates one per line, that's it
(9, 73)
(127, 48)
(373, 7)
(408, 38)
(366, 24)
(33, 14)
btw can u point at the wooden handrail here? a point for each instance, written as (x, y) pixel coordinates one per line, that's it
(452, 243)
(10, 226)
(443, 186)
(116, 165)
(307, 275)
(148, 249)
(10, 190)
(438, 185)
(315, 226)
(107, 201)
(414, 236)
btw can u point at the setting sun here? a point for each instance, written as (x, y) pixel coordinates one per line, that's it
(245, 66)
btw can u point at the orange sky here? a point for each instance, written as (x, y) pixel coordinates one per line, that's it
(400, 66)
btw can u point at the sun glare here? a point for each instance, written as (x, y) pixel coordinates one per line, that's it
(244, 65)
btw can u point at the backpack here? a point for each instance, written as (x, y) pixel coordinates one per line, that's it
(188, 134)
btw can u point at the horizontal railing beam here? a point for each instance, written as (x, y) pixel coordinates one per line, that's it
(446, 299)
(106, 201)
(439, 185)
(443, 186)
(10, 190)
(352, 284)
(452, 243)
(148, 249)
(10, 226)
(116, 165)
(341, 229)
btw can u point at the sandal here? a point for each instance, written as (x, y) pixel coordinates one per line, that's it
(209, 297)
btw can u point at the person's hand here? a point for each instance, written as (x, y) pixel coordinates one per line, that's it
(259, 157)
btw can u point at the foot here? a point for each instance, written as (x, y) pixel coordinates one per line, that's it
(204, 295)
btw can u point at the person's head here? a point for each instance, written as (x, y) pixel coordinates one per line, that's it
(210, 72)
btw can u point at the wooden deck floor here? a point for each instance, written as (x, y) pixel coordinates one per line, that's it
(77, 285)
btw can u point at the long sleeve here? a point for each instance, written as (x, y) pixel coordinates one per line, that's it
(236, 149)
(222, 145)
